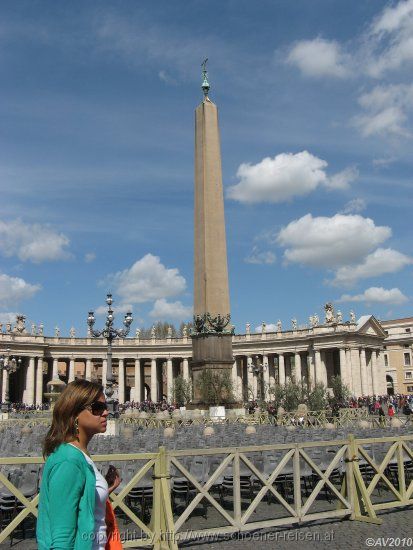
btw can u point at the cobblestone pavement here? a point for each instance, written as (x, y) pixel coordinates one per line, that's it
(396, 531)
(344, 534)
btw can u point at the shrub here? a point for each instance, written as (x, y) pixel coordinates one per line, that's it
(181, 391)
(341, 392)
(215, 387)
(317, 398)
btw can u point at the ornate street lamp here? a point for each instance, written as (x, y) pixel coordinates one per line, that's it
(258, 368)
(8, 364)
(110, 333)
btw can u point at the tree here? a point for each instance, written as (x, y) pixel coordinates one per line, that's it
(341, 392)
(294, 394)
(181, 391)
(277, 394)
(317, 398)
(215, 387)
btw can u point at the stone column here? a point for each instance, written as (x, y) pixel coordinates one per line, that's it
(319, 378)
(349, 371)
(5, 385)
(297, 365)
(39, 381)
(154, 381)
(30, 381)
(169, 380)
(138, 381)
(185, 369)
(88, 370)
(363, 372)
(355, 371)
(234, 378)
(381, 374)
(311, 368)
(271, 373)
(374, 372)
(121, 380)
(104, 371)
(323, 357)
(281, 369)
(55, 371)
(266, 375)
(71, 370)
(250, 379)
(343, 367)
(369, 381)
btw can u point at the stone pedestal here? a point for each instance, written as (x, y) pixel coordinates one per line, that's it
(213, 353)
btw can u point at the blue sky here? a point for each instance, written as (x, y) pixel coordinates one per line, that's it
(97, 107)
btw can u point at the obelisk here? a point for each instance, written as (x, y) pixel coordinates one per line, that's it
(212, 333)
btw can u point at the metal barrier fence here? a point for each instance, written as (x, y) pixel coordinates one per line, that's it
(317, 419)
(175, 495)
(311, 419)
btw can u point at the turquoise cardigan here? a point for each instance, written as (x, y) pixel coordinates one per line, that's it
(67, 501)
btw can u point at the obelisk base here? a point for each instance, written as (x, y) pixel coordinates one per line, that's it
(211, 353)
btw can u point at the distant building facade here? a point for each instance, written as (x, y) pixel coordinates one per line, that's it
(146, 369)
(397, 355)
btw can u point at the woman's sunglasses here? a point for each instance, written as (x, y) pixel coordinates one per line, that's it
(97, 408)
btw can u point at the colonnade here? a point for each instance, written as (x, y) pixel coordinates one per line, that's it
(360, 368)
(151, 376)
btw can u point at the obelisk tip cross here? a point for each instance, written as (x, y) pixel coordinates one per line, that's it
(205, 84)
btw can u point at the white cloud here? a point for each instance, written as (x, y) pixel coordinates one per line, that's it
(269, 327)
(283, 177)
(385, 161)
(319, 57)
(8, 316)
(32, 242)
(342, 180)
(377, 295)
(355, 206)
(15, 289)
(330, 242)
(122, 308)
(90, 257)
(260, 257)
(390, 39)
(386, 45)
(148, 279)
(165, 77)
(163, 309)
(387, 109)
(379, 262)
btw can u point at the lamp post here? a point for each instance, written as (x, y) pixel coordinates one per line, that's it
(8, 364)
(258, 369)
(110, 333)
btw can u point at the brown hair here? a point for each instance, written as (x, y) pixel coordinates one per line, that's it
(74, 398)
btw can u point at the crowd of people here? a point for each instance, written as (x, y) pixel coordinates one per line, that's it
(24, 407)
(392, 404)
(146, 406)
(389, 404)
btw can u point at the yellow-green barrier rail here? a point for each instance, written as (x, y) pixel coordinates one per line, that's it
(246, 488)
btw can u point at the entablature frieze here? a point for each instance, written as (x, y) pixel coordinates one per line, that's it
(300, 341)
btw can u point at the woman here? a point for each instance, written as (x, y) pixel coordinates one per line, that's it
(73, 493)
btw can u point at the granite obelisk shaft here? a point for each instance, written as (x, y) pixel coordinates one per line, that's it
(211, 294)
(212, 340)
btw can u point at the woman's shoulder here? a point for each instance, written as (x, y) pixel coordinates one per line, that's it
(67, 452)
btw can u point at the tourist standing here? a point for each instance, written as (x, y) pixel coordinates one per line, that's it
(73, 501)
